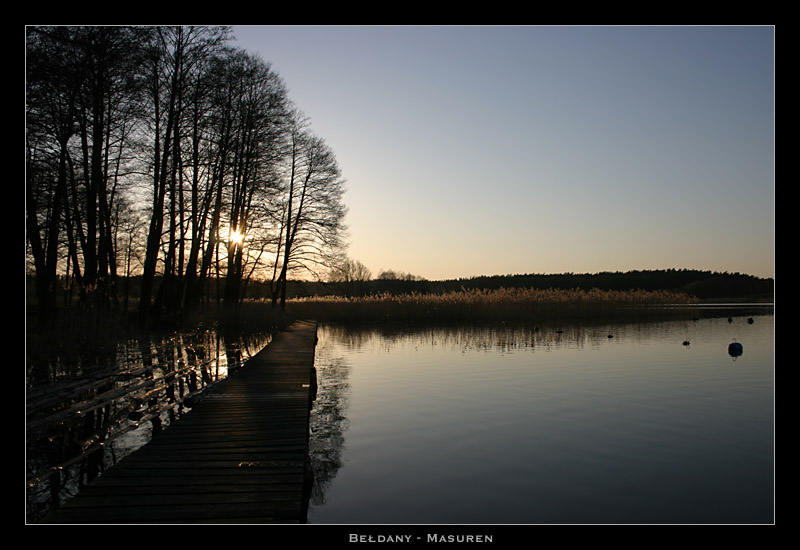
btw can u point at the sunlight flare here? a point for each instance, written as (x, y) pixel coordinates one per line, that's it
(235, 237)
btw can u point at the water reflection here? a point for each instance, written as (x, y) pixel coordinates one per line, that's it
(328, 422)
(546, 424)
(470, 424)
(85, 412)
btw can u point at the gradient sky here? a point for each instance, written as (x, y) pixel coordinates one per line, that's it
(485, 150)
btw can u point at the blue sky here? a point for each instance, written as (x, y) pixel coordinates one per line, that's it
(485, 150)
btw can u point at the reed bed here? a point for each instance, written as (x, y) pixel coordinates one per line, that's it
(505, 304)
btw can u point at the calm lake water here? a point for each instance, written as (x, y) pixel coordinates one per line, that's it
(132, 390)
(516, 425)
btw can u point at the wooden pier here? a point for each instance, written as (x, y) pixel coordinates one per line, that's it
(240, 456)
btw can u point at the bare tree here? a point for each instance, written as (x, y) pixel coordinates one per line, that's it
(174, 128)
(130, 241)
(313, 212)
(52, 85)
(351, 277)
(261, 124)
(172, 53)
(80, 89)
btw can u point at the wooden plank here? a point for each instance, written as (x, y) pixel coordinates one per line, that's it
(240, 456)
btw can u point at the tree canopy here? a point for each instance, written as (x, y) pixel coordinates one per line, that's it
(168, 155)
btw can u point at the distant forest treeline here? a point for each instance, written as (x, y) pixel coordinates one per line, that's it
(704, 285)
(701, 284)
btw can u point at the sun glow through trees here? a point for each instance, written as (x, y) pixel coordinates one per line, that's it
(235, 237)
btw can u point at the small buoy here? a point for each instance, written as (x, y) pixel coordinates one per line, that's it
(750, 321)
(610, 335)
(730, 319)
(735, 349)
(686, 342)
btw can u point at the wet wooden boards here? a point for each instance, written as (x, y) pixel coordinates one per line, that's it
(240, 456)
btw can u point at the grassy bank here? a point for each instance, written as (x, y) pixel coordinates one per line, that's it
(514, 304)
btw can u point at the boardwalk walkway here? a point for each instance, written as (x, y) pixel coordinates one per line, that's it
(240, 456)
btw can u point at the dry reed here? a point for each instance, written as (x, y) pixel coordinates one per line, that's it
(488, 305)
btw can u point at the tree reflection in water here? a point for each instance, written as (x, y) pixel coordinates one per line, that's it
(328, 422)
(482, 395)
(86, 412)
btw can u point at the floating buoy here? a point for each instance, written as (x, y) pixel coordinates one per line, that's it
(750, 321)
(730, 319)
(610, 335)
(686, 342)
(735, 349)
